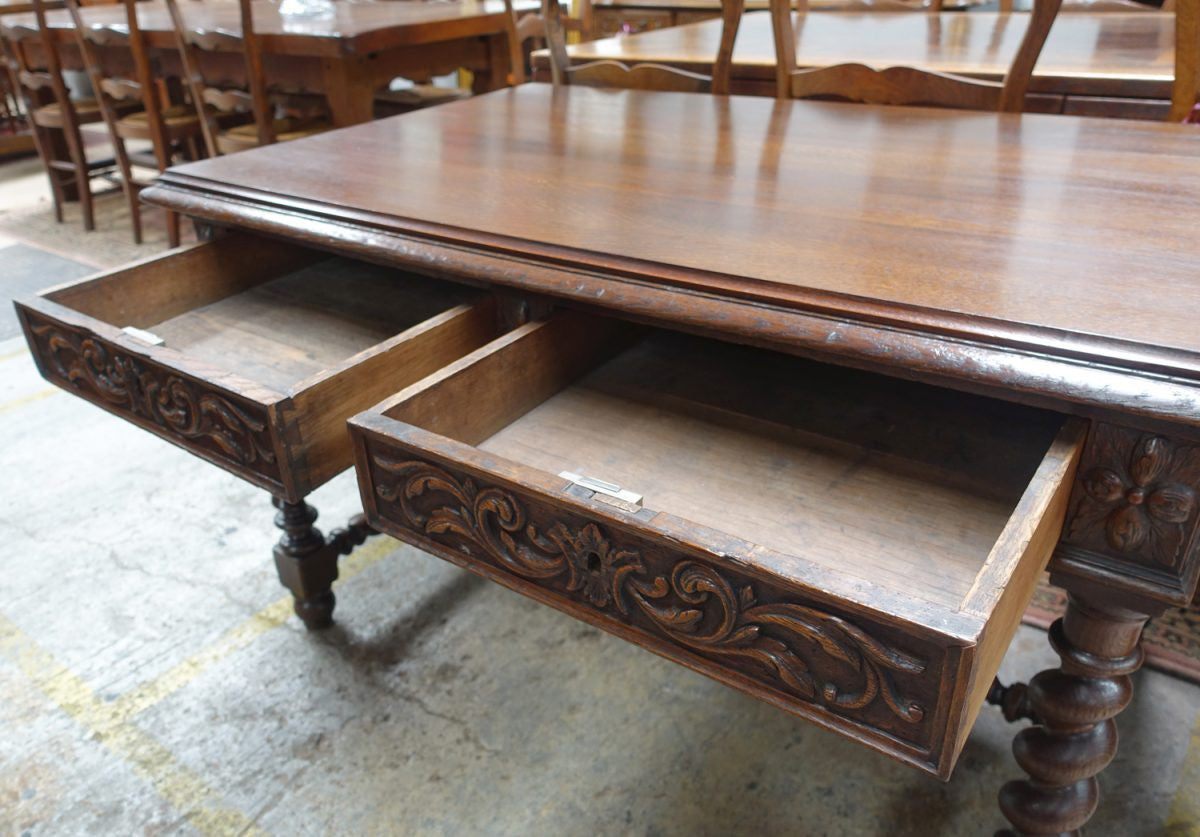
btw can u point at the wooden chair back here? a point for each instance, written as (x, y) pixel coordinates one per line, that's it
(909, 85)
(115, 90)
(642, 76)
(212, 97)
(532, 25)
(37, 67)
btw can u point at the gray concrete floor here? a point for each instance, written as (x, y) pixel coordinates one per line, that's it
(152, 680)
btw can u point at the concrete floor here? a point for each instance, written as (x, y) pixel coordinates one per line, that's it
(153, 680)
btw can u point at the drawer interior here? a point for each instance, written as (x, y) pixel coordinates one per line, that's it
(275, 313)
(896, 483)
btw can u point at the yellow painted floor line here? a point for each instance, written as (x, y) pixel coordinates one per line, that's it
(1184, 816)
(27, 399)
(199, 804)
(272, 616)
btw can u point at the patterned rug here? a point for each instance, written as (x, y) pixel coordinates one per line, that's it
(1172, 641)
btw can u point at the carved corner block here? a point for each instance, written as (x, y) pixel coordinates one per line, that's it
(1134, 513)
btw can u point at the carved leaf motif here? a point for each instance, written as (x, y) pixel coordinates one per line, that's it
(1127, 528)
(1104, 485)
(1136, 497)
(695, 604)
(1149, 459)
(1171, 503)
(177, 405)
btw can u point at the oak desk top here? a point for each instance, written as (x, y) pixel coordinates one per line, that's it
(983, 251)
(1098, 54)
(358, 26)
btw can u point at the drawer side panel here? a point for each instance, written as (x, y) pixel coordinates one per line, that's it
(869, 680)
(219, 426)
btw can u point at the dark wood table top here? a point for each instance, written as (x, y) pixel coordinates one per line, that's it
(358, 26)
(1090, 53)
(1049, 257)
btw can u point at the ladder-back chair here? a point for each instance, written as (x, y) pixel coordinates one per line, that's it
(531, 27)
(899, 85)
(235, 116)
(170, 127)
(53, 116)
(642, 76)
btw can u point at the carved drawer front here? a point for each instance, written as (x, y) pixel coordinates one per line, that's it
(854, 549)
(251, 353)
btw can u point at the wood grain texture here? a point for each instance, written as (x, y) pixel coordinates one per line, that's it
(1086, 54)
(217, 418)
(572, 580)
(935, 242)
(268, 348)
(1033, 530)
(737, 556)
(164, 286)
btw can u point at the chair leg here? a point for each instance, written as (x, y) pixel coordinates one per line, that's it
(84, 183)
(44, 144)
(128, 187)
(56, 191)
(172, 229)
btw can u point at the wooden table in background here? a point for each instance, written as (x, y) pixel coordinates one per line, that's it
(1094, 64)
(615, 16)
(347, 58)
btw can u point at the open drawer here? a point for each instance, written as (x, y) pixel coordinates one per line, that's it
(250, 352)
(852, 548)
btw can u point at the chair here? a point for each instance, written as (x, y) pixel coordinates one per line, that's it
(531, 26)
(642, 76)
(54, 118)
(909, 85)
(170, 129)
(234, 117)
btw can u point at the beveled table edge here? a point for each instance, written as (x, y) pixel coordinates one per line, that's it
(1087, 374)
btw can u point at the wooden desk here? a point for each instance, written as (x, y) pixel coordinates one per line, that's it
(1098, 64)
(349, 57)
(976, 353)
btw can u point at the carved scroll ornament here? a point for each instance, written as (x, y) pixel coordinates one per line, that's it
(691, 602)
(179, 406)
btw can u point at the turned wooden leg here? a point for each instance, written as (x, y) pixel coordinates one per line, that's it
(307, 561)
(306, 565)
(1076, 704)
